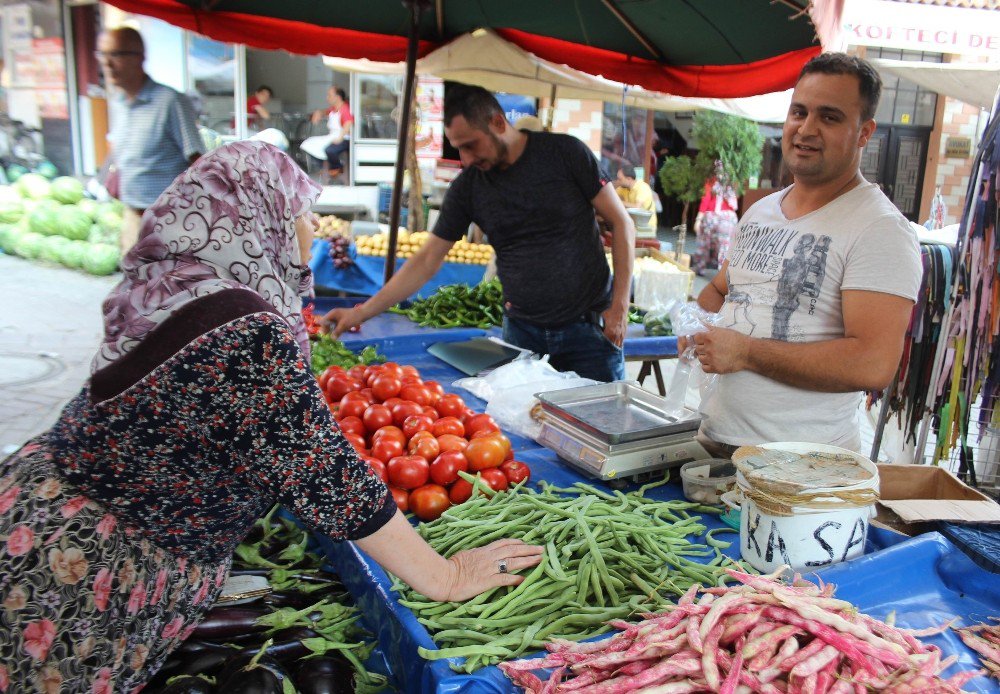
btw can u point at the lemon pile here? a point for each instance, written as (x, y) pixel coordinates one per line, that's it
(407, 244)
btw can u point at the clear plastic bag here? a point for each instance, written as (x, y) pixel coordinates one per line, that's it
(510, 391)
(687, 319)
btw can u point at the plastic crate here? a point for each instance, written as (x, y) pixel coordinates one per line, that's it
(981, 543)
(384, 197)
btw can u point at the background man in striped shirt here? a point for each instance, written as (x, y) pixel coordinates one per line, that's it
(154, 136)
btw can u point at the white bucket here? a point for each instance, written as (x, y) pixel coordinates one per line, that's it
(810, 538)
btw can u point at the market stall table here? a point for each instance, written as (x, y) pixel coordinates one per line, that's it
(364, 277)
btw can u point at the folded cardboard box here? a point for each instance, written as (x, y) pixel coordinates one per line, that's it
(914, 495)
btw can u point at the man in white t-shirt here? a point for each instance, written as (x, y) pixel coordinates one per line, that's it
(816, 294)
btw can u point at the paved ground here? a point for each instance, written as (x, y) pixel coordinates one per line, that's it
(50, 326)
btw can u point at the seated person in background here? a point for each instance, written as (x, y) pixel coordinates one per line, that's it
(636, 194)
(255, 106)
(339, 120)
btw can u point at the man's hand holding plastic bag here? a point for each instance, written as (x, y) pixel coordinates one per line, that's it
(691, 323)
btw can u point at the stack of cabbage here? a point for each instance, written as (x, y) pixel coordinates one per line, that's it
(54, 222)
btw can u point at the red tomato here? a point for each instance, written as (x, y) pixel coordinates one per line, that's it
(412, 381)
(369, 395)
(378, 467)
(429, 501)
(356, 395)
(424, 446)
(450, 442)
(484, 452)
(417, 394)
(410, 372)
(352, 425)
(357, 372)
(401, 497)
(408, 471)
(451, 405)
(358, 442)
(480, 422)
(515, 471)
(448, 425)
(499, 436)
(351, 408)
(387, 449)
(385, 386)
(389, 432)
(432, 413)
(494, 479)
(402, 410)
(392, 368)
(376, 417)
(417, 423)
(340, 385)
(467, 415)
(460, 491)
(324, 378)
(435, 389)
(445, 468)
(392, 402)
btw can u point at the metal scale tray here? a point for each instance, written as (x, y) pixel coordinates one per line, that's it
(616, 430)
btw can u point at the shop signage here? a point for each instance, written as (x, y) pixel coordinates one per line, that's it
(958, 147)
(921, 27)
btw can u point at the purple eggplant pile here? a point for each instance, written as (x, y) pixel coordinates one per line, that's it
(301, 637)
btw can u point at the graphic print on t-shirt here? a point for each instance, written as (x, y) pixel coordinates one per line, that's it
(783, 279)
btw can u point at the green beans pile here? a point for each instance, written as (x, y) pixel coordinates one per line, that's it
(607, 556)
(458, 306)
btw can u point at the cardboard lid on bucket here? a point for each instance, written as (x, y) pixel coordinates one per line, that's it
(793, 467)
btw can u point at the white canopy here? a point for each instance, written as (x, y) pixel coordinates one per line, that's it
(483, 58)
(975, 83)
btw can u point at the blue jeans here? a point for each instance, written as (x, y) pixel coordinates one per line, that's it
(580, 347)
(333, 152)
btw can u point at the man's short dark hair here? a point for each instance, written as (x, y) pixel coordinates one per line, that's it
(628, 171)
(340, 92)
(475, 104)
(869, 82)
(265, 88)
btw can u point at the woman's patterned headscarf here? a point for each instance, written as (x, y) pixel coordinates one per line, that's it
(227, 222)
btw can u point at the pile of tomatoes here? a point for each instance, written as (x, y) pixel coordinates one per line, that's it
(416, 437)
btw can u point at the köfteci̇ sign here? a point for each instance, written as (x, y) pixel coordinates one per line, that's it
(915, 27)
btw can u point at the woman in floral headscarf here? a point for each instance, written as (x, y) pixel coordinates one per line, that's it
(117, 525)
(715, 223)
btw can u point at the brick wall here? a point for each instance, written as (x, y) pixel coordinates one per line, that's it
(581, 118)
(952, 176)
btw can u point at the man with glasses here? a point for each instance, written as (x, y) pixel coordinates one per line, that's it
(154, 136)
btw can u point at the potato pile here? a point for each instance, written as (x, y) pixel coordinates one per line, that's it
(407, 244)
(331, 226)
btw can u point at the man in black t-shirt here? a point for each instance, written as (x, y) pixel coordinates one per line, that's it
(534, 195)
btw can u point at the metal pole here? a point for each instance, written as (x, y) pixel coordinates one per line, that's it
(404, 135)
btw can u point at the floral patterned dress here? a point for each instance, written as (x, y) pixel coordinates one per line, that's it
(117, 526)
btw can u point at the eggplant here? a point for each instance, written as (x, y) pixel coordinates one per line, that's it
(288, 645)
(292, 598)
(324, 675)
(226, 622)
(238, 676)
(249, 572)
(186, 684)
(191, 647)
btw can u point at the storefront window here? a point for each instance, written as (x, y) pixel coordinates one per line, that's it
(377, 110)
(904, 102)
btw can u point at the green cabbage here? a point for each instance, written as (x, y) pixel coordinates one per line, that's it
(14, 172)
(28, 245)
(100, 259)
(11, 209)
(47, 169)
(67, 190)
(32, 185)
(44, 218)
(90, 207)
(110, 221)
(50, 247)
(73, 223)
(71, 253)
(8, 237)
(99, 234)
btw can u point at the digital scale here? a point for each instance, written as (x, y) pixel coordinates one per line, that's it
(617, 431)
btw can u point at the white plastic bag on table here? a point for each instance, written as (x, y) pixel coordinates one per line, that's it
(510, 391)
(687, 319)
